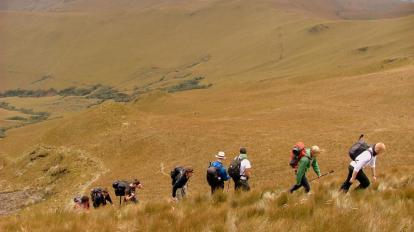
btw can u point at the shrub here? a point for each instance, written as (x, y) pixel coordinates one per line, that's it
(74, 91)
(108, 93)
(188, 85)
(2, 132)
(29, 93)
(17, 118)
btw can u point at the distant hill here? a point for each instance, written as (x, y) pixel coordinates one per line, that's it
(171, 42)
(348, 9)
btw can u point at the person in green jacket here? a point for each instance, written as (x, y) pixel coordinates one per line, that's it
(303, 166)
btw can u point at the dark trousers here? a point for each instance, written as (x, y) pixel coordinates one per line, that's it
(304, 182)
(361, 177)
(241, 185)
(217, 186)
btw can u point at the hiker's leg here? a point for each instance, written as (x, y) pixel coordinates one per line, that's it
(237, 185)
(179, 194)
(245, 185)
(363, 180)
(305, 184)
(296, 186)
(221, 186)
(184, 191)
(346, 185)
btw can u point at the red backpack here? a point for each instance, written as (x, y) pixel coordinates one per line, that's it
(298, 151)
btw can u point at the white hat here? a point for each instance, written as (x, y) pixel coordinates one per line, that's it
(221, 155)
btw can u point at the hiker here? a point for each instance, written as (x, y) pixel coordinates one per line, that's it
(304, 163)
(180, 177)
(130, 191)
(240, 171)
(217, 173)
(362, 160)
(81, 202)
(100, 196)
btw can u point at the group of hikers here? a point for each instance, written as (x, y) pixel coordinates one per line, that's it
(240, 170)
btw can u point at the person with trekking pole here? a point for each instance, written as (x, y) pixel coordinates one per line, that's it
(362, 155)
(307, 159)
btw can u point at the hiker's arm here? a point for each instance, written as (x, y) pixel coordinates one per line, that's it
(354, 174)
(247, 173)
(108, 199)
(316, 167)
(224, 175)
(174, 190)
(372, 164)
(374, 175)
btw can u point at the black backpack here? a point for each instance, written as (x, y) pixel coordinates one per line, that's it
(96, 193)
(234, 169)
(97, 196)
(358, 147)
(119, 187)
(212, 175)
(176, 174)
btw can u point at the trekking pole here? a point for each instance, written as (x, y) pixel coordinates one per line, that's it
(322, 175)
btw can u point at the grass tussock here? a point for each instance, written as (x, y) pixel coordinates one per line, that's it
(325, 210)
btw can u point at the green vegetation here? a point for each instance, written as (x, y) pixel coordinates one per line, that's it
(17, 118)
(109, 93)
(96, 91)
(74, 91)
(188, 85)
(2, 132)
(71, 91)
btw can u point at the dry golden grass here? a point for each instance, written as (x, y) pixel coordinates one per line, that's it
(386, 207)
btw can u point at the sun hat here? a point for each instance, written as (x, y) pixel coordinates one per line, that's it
(221, 155)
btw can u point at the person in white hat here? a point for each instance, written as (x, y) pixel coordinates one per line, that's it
(217, 173)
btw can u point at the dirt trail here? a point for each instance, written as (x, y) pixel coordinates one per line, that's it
(101, 169)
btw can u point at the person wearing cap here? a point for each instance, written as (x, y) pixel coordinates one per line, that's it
(245, 171)
(355, 169)
(303, 166)
(179, 189)
(221, 170)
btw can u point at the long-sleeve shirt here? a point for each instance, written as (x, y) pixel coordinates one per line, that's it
(221, 170)
(364, 159)
(304, 164)
(181, 182)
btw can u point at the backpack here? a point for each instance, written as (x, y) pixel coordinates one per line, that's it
(96, 193)
(298, 151)
(234, 169)
(212, 175)
(119, 187)
(359, 147)
(176, 174)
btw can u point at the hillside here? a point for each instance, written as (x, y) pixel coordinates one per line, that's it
(226, 40)
(129, 90)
